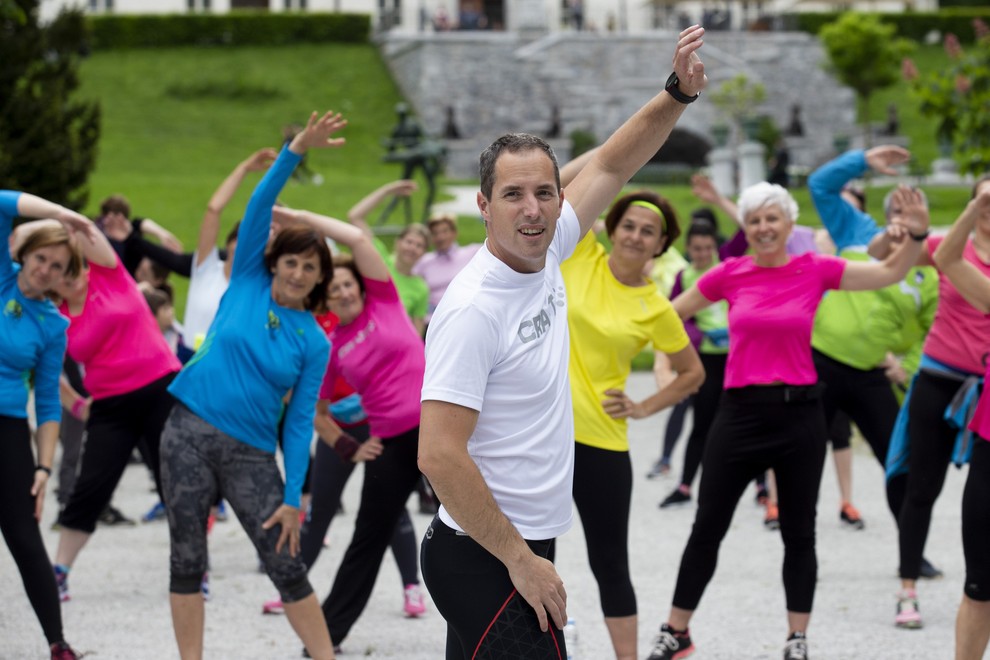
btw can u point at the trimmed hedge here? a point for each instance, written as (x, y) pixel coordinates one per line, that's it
(913, 25)
(242, 28)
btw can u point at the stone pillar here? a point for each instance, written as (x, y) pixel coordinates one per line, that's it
(527, 18)
(752, 164)
(722, 167)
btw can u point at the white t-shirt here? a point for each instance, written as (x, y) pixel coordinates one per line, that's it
(498, 343)
(207, 284)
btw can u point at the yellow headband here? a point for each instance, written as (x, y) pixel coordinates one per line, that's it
(653, 207)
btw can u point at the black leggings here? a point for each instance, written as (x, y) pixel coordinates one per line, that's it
(115, 426)
(388, 482)
(330, 477)
(869, 401)
(756, 430)
(706, 403)
(486, 617)
(932, 441)
(20, 529)
(976, 522)
(603, 493)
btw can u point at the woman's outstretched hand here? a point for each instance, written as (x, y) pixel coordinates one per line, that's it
(317, 133)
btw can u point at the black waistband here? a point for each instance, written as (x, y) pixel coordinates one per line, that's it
(776, 393)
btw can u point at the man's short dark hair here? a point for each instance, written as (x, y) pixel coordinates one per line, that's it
(513, 143)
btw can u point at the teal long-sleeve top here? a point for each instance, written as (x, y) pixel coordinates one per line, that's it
(32, 334)
(257, 351)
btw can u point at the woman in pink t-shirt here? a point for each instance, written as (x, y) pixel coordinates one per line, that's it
(379, 353)
(128, 368)
(953, 358)
(770, 414)
(973, 284)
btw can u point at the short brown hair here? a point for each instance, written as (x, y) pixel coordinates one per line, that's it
(300, 239)
(51, 235)
(347, 261)
(446, 218)
(115, 204)
(420, 230)
(512, 143)
(668, 223)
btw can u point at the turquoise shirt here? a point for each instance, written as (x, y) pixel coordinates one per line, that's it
(256, 351)
(32, 334)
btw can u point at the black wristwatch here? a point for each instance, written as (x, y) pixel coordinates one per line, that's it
(919, 237)
(679, 96)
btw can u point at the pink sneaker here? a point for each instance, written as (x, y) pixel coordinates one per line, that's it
(414, 603)
(273, 606)
(908, 615)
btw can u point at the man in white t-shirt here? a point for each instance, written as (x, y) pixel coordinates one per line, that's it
(496, 438)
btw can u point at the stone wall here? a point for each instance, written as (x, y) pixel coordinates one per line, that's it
(499, 82)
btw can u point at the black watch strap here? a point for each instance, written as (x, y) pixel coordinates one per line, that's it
(919, 237)
(679, 96)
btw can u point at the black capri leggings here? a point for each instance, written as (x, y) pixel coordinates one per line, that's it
(116, 425)
(756, 430)
(869, 401)
(976, 522)
(20, 529)
(603, 493)
(198, 462)
(486, 617)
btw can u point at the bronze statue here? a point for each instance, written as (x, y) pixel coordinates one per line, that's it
(409, 145)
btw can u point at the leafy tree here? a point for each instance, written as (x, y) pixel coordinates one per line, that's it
(959, 98)
(865, 55)
(47, 138)
(738, 99)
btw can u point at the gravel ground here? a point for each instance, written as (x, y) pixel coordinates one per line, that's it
(119, 606)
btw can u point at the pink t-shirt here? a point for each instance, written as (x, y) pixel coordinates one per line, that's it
(771, 313)
(382, 356)
(115, 337)
(960, 334)
(980, 424)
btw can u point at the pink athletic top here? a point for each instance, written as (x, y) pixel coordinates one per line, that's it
(115, 337)
(980, 424)
(959, 335)
(771, 313)
(382, 356)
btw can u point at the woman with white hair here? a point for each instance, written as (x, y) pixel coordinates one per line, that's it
(770, 415)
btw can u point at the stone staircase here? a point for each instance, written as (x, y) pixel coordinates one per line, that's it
(500, 82)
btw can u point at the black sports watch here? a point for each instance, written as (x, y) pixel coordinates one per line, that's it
(679, 96)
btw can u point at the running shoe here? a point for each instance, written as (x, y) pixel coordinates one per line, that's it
(762, 495)
(796, 647)
(850, 516)
(680, 495)
(156, 512)
(772, 520)
(414, 603)
(660, 469)
(221, 513)
(908, 615)
(671, 645)
(273, 606)
(929, 571)
(113, 517)
(204, 585)
(62, 580)
(62, 651)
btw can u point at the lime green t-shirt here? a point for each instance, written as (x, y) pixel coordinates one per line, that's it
(610, 323)
(412, 289)
(857, 328)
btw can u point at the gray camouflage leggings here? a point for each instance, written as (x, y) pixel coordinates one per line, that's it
(198, 463)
